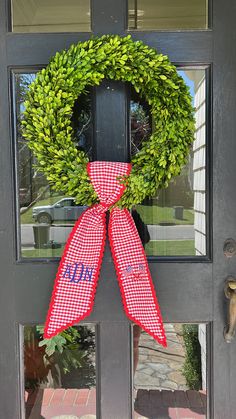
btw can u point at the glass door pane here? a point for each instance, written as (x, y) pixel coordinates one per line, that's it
(171, 382)
(51, 16)
(60, 373)
(168, 14)
(174, 221)
(46, 217)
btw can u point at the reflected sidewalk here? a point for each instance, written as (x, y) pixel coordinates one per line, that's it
(59, 233)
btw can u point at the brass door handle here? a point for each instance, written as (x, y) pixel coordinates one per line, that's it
(230, 293)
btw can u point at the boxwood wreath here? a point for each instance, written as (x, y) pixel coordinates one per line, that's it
(49, 106)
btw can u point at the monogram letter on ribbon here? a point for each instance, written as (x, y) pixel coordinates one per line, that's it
(77, 276)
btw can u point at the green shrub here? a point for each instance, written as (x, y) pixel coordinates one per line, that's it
(192, 365)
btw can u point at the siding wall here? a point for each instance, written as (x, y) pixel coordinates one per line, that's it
(199, 159)
(199, 151)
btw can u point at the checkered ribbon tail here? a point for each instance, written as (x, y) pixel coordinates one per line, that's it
(76, 280)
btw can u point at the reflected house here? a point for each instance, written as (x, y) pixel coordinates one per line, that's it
(199, 186)
(199, 173)
(197, 170)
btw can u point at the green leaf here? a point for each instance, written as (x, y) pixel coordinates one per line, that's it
(50, 99)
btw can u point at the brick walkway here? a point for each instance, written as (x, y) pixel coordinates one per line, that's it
(151, 404)
(167, 404)
(47, 403)
(161, 368)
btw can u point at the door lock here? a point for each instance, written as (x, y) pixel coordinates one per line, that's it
(230, 293)
(229, 248)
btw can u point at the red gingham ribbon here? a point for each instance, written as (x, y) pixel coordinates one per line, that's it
(76, 280)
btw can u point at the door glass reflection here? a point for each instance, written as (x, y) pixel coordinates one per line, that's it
(46, 217)
(51, 16)
(59, 373)
(168, 14)
(175, 219)
(171, 382)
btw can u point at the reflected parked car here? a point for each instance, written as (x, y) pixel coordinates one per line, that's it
(65, 209)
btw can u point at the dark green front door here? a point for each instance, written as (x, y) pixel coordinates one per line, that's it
(186, 255)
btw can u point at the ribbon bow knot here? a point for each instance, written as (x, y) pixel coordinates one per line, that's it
(76, 280)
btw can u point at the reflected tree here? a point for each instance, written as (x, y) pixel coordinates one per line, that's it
(140, 122)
